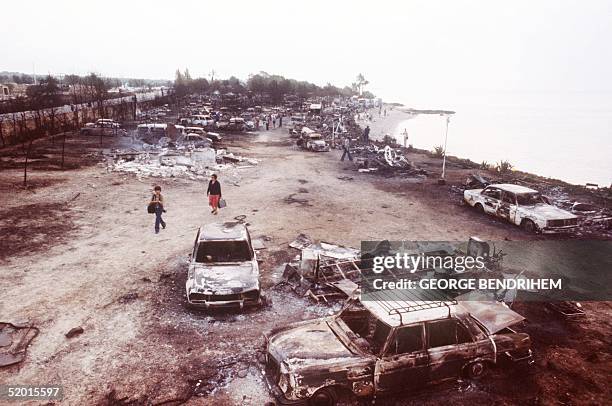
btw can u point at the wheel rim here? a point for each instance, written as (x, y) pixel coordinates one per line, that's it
(477, 369)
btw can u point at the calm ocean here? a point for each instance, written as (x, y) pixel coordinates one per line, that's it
(563, 135)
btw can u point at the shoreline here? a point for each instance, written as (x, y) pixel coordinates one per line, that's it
(381, 125)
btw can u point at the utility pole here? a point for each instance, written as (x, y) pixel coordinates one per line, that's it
(442, 180)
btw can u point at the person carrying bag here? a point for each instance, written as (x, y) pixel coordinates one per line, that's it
(214, 195)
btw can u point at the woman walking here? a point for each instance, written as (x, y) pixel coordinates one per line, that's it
(214, 193)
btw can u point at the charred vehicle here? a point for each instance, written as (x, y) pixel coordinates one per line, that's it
(103, 126)
(223, 271)
(521, 206)
(198, 141)
(315, 142)
(378, 346)
(312, 141)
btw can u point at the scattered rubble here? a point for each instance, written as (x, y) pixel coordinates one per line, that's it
(384, 160)
(194, 164)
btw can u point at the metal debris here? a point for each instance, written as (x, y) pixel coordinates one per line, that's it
(14, 342)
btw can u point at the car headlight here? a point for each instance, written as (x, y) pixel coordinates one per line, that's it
(283, 382)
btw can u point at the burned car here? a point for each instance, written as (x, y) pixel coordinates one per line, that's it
(379, 346)
(223, 271)
(312, 141)
(198, 141)
(103, 126)
(315, 142)
(521, 206)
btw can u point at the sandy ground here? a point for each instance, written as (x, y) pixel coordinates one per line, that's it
(79, 250)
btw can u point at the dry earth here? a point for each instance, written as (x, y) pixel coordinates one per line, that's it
(78, 249)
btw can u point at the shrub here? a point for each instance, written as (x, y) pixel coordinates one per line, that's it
(504, 167)
(438, 151)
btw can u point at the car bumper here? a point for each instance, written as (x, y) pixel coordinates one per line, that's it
(526, 358)
(226, 304)
(559, 230)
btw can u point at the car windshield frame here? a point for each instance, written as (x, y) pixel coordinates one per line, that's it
(375, 327)
(221, 251)
(529, 199)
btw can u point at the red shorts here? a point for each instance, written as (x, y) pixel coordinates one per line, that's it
(213, 201)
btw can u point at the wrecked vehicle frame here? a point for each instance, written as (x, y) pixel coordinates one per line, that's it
(223, 270)
(385, 345)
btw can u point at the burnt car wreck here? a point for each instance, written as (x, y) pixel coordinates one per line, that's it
(388, 343)
(223, 271)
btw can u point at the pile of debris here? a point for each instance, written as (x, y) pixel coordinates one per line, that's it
(385, 160)
(329, 273)
(197, 163)
(313, 272)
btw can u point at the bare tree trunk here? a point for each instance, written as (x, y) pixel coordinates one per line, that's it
(26, 153)
(52, 125)
(2, 132)
(15, 137)
(63, 148)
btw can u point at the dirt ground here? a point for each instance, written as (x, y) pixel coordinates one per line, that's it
(78, 249)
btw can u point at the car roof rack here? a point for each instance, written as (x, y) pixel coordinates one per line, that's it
(402, 301)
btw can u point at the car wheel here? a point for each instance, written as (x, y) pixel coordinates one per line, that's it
(323, 397)
(475, 370)
(529, 226)
(479, 208)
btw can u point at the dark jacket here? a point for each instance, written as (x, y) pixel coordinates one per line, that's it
(214, 188)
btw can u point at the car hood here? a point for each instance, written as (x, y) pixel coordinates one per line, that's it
(309, 344)
(223, 279)
(549, 212)
(472, 192)
(494, 316)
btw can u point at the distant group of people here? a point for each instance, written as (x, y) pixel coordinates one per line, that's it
(156, 205)
(269, 120)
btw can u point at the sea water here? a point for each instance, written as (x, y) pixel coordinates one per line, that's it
(563, 135)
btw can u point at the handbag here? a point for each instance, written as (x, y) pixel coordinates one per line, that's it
(222, 203)
(151, 207)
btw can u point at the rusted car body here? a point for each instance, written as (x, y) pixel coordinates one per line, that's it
(377, 346)
(223, 271)
(521, 206)
(103, 126)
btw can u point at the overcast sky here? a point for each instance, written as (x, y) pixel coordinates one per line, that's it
(439, 47)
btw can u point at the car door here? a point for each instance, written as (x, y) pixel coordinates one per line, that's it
(507, 206)
(404, 364)
(449, 347)
(491, 197)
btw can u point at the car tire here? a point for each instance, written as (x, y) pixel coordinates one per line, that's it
(475, 370)
(529, 226)
(478, 207)
(324, 397)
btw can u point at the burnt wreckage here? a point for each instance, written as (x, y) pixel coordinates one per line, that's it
(223, 271)
(390, 342)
